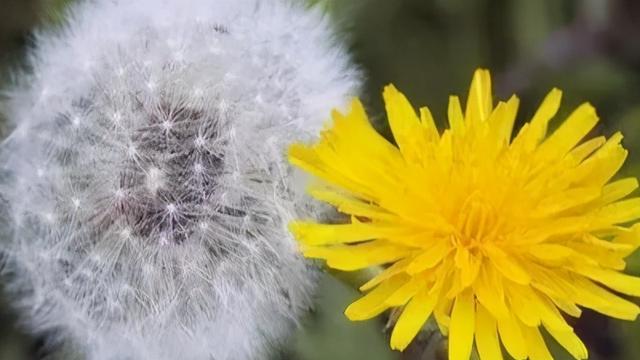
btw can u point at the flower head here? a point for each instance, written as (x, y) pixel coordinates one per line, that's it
(494, 235)
(146, 182)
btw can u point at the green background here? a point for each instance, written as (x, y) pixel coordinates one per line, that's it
(429, 48)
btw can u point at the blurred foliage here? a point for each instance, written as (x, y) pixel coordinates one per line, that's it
(429, 49)
(328, 334)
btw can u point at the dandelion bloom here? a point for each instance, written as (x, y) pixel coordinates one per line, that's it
(495, 236)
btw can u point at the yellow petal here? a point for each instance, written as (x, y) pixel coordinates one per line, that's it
(565, 200)
(391, 271)
(594, 241)
(512, 338)
(508, 266)
(522, 305)
(462, 327)
(426, 119)
(567, 306)
(535, 344)
(618, 190)
(487, 335)
(352, 155)
(587, 148)
(532, 308)
(350, 205)
(594, 297)
(324, 234)
(600, 167)
(480, 102)
(577, 125)
(549, 314)
(593, 254)
(430, 256)
(441, 313)
(550, 252)
(373, 303)
(360, 256)
(469, 267)
(308, 159)
(489, 290)
(412, 319)
(502, 119)
(530, 138)
(614, 280)
(456, 119)
(619, 212)
(631, 237)
(404, 123)
(401, 296)
(557, 288)
(571, 342)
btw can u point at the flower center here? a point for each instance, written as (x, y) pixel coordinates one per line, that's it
(477, 222)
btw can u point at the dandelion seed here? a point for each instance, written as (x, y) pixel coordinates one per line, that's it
(494, 235)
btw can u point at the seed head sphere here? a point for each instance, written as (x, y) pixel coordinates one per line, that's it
(145, 185)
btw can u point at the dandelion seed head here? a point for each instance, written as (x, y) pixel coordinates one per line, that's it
(155, 224)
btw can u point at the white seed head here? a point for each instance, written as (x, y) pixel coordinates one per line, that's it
(146, 183)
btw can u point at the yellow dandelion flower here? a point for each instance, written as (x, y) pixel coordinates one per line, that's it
(495, 236)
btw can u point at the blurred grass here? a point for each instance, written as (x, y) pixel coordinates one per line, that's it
(429, 49)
